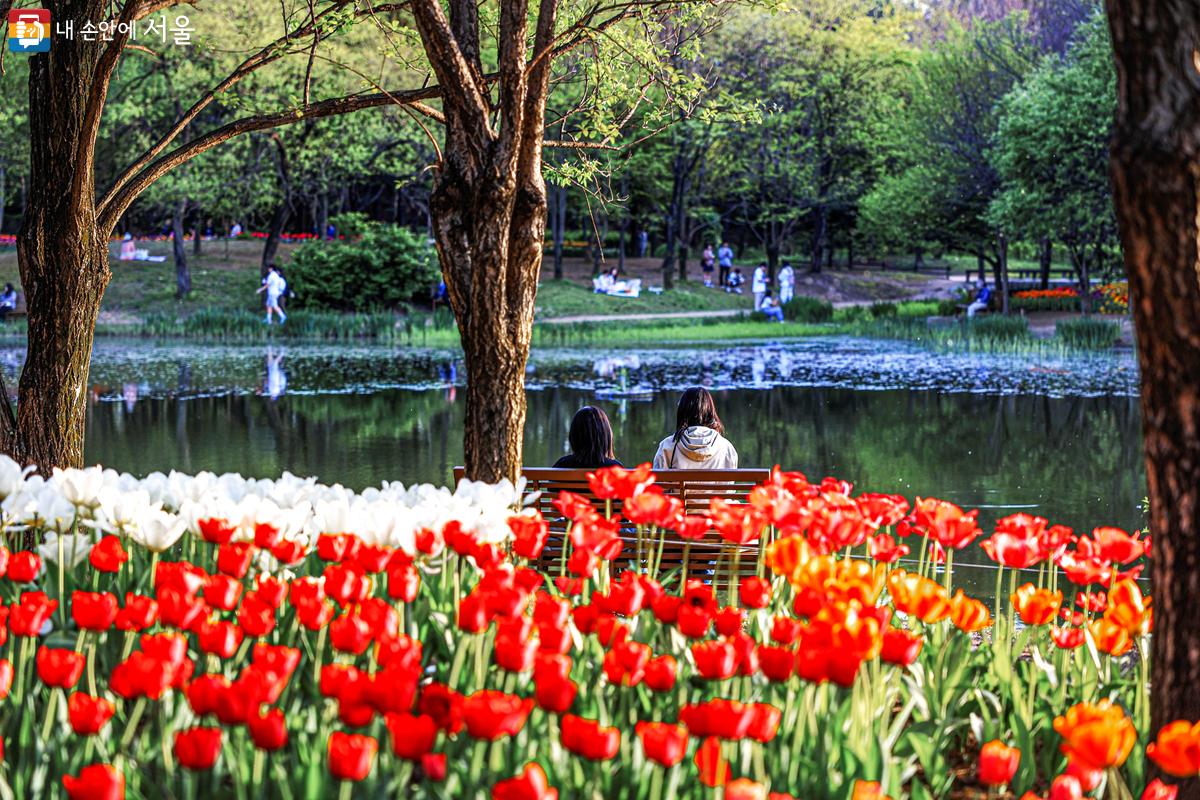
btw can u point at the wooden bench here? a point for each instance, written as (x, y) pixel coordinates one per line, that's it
(709, 559)
(19, 311)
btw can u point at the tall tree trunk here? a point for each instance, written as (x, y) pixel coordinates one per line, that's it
(1002, 270)
(559, 228)
(197, 232)
(1045, 259)
(183, 278)
(668, 265)
(3, 194)
(1155, 169)
(63, 258)
(819, 240)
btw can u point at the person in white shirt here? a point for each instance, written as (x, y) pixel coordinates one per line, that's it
(758, 285)
(274, 285)
(698, 441)
(787, 283)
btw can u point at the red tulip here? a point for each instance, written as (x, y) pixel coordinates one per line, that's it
(660, 673)
(730, 620)
(901, 647)
(58, 667)
(219, 638)
(233, 559)
(755, 592)
(998, 763)
(530, 533)
(716, 660)
(403, 582)
(108, 555)
(27, 617)
(1065, 787)
(95, 782)
(216, 531)
(776, 662)
(554, 693)
(222, 591)
(88, 714)
(491, 715)
(337, 546)
(515, 650)
(271, 591)
(617, 483)
(6, 677)
(351, 755)
(663, 743)
(531, 784)
(1157, 790)
(93, 611)
(142, 675)
(197, 748)
(590, 739)
(413, 735)
(350, 633)
(23, 567)
(268, 730)
(206, 693)
(256, 617)
(713, 768)
(443, 704)
(139, 613)
(725, 719)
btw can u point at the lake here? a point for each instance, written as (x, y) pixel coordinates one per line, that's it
(1059, 437)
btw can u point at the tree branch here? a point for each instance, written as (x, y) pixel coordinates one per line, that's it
(121, 200)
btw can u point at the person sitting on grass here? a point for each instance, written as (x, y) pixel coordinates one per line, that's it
(735, 281)
(771, 307)
(591, 440)
(698, 441)
(982, 297)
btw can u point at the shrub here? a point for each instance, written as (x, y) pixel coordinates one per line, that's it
(947, 308)
(880, 310)
(381, 267)
(1088, 333)
(808, 309)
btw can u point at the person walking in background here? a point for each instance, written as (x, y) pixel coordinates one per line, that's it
(707, 261)
(758, 285)
(787, 283)
(274, 285)
(724, 263)
(698, 441)
(643, 243)
(591, 440)
(982, 297)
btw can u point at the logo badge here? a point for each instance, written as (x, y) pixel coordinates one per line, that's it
(29, 30)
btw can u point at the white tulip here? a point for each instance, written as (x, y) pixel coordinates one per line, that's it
(157, 530)
(12, 476)
(76, 548)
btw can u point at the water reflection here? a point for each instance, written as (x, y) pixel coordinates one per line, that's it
(275, 383)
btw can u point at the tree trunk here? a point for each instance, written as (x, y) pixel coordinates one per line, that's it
(183, 278)
(1045, 258)
(63, 258)
(819, 240)
(1002, 270)
(197, 234)
(668, 265)
(1155, 169)
(559, 227)
(3, 194)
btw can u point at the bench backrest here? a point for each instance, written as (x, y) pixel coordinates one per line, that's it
(694, 487)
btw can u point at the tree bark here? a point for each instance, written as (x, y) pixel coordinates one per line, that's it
(197, 234)
(1155, 167)
(183, 277)
(1045, 260)
(3, 194)
(559, 230)
(63, 258)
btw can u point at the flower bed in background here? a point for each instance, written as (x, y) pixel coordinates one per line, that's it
(221, 637)
(1062, 298)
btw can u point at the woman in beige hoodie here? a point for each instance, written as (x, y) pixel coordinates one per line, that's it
(698, 442)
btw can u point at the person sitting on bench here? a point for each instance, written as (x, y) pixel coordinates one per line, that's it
(982, 296)
(8, 301)
(591, 440)
(698, 442)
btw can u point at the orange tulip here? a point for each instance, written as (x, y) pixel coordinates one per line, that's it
(1036, 606)
(868, 790)
(918, 596)
(1177, 749)
(1096, 735)
(968, 614)
(1109, 637)
(1129, 608)
(787, 555)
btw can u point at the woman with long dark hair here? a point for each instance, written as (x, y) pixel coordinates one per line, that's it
(698, 441)
(591, 440)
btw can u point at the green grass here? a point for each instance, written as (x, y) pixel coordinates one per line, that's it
(569, 299)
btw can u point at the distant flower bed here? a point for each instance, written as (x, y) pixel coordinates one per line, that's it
(221, 636)
(1044, 294)
(5, 239)
(1114, 297)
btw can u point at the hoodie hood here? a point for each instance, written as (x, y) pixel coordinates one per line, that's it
(698, 443)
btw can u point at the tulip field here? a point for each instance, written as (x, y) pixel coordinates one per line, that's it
(215, 636)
